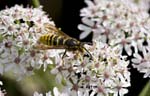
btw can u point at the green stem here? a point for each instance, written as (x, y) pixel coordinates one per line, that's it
(36, 3)
(146, 90)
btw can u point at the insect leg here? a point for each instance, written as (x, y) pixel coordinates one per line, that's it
(64, 54)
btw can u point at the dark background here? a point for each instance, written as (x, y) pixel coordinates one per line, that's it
(65, 14)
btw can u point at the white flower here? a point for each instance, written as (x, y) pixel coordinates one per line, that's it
(20, 28)
(87, 30)
(142, 62)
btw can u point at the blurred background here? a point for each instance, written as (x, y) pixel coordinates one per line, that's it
(65, 14)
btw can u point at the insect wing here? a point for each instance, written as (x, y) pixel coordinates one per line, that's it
(54, 30)
(46, 47)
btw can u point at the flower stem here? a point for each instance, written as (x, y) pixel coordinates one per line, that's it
(36, 3)
(146, 90)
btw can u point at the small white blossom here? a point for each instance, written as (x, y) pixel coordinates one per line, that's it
(142, 62)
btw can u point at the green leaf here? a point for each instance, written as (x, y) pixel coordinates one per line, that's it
(36, 3)
(146, 90)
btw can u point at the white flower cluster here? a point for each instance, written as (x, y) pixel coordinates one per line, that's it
(20, 28)
(106, 73)
(119, 23)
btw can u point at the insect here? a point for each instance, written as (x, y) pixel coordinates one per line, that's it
(56, 39)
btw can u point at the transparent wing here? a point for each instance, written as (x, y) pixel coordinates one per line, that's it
(54, 30)
(46, 47)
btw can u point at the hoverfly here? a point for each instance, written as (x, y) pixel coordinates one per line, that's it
(56, 39)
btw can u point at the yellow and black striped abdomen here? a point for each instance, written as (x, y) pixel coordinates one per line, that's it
(52, 39)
